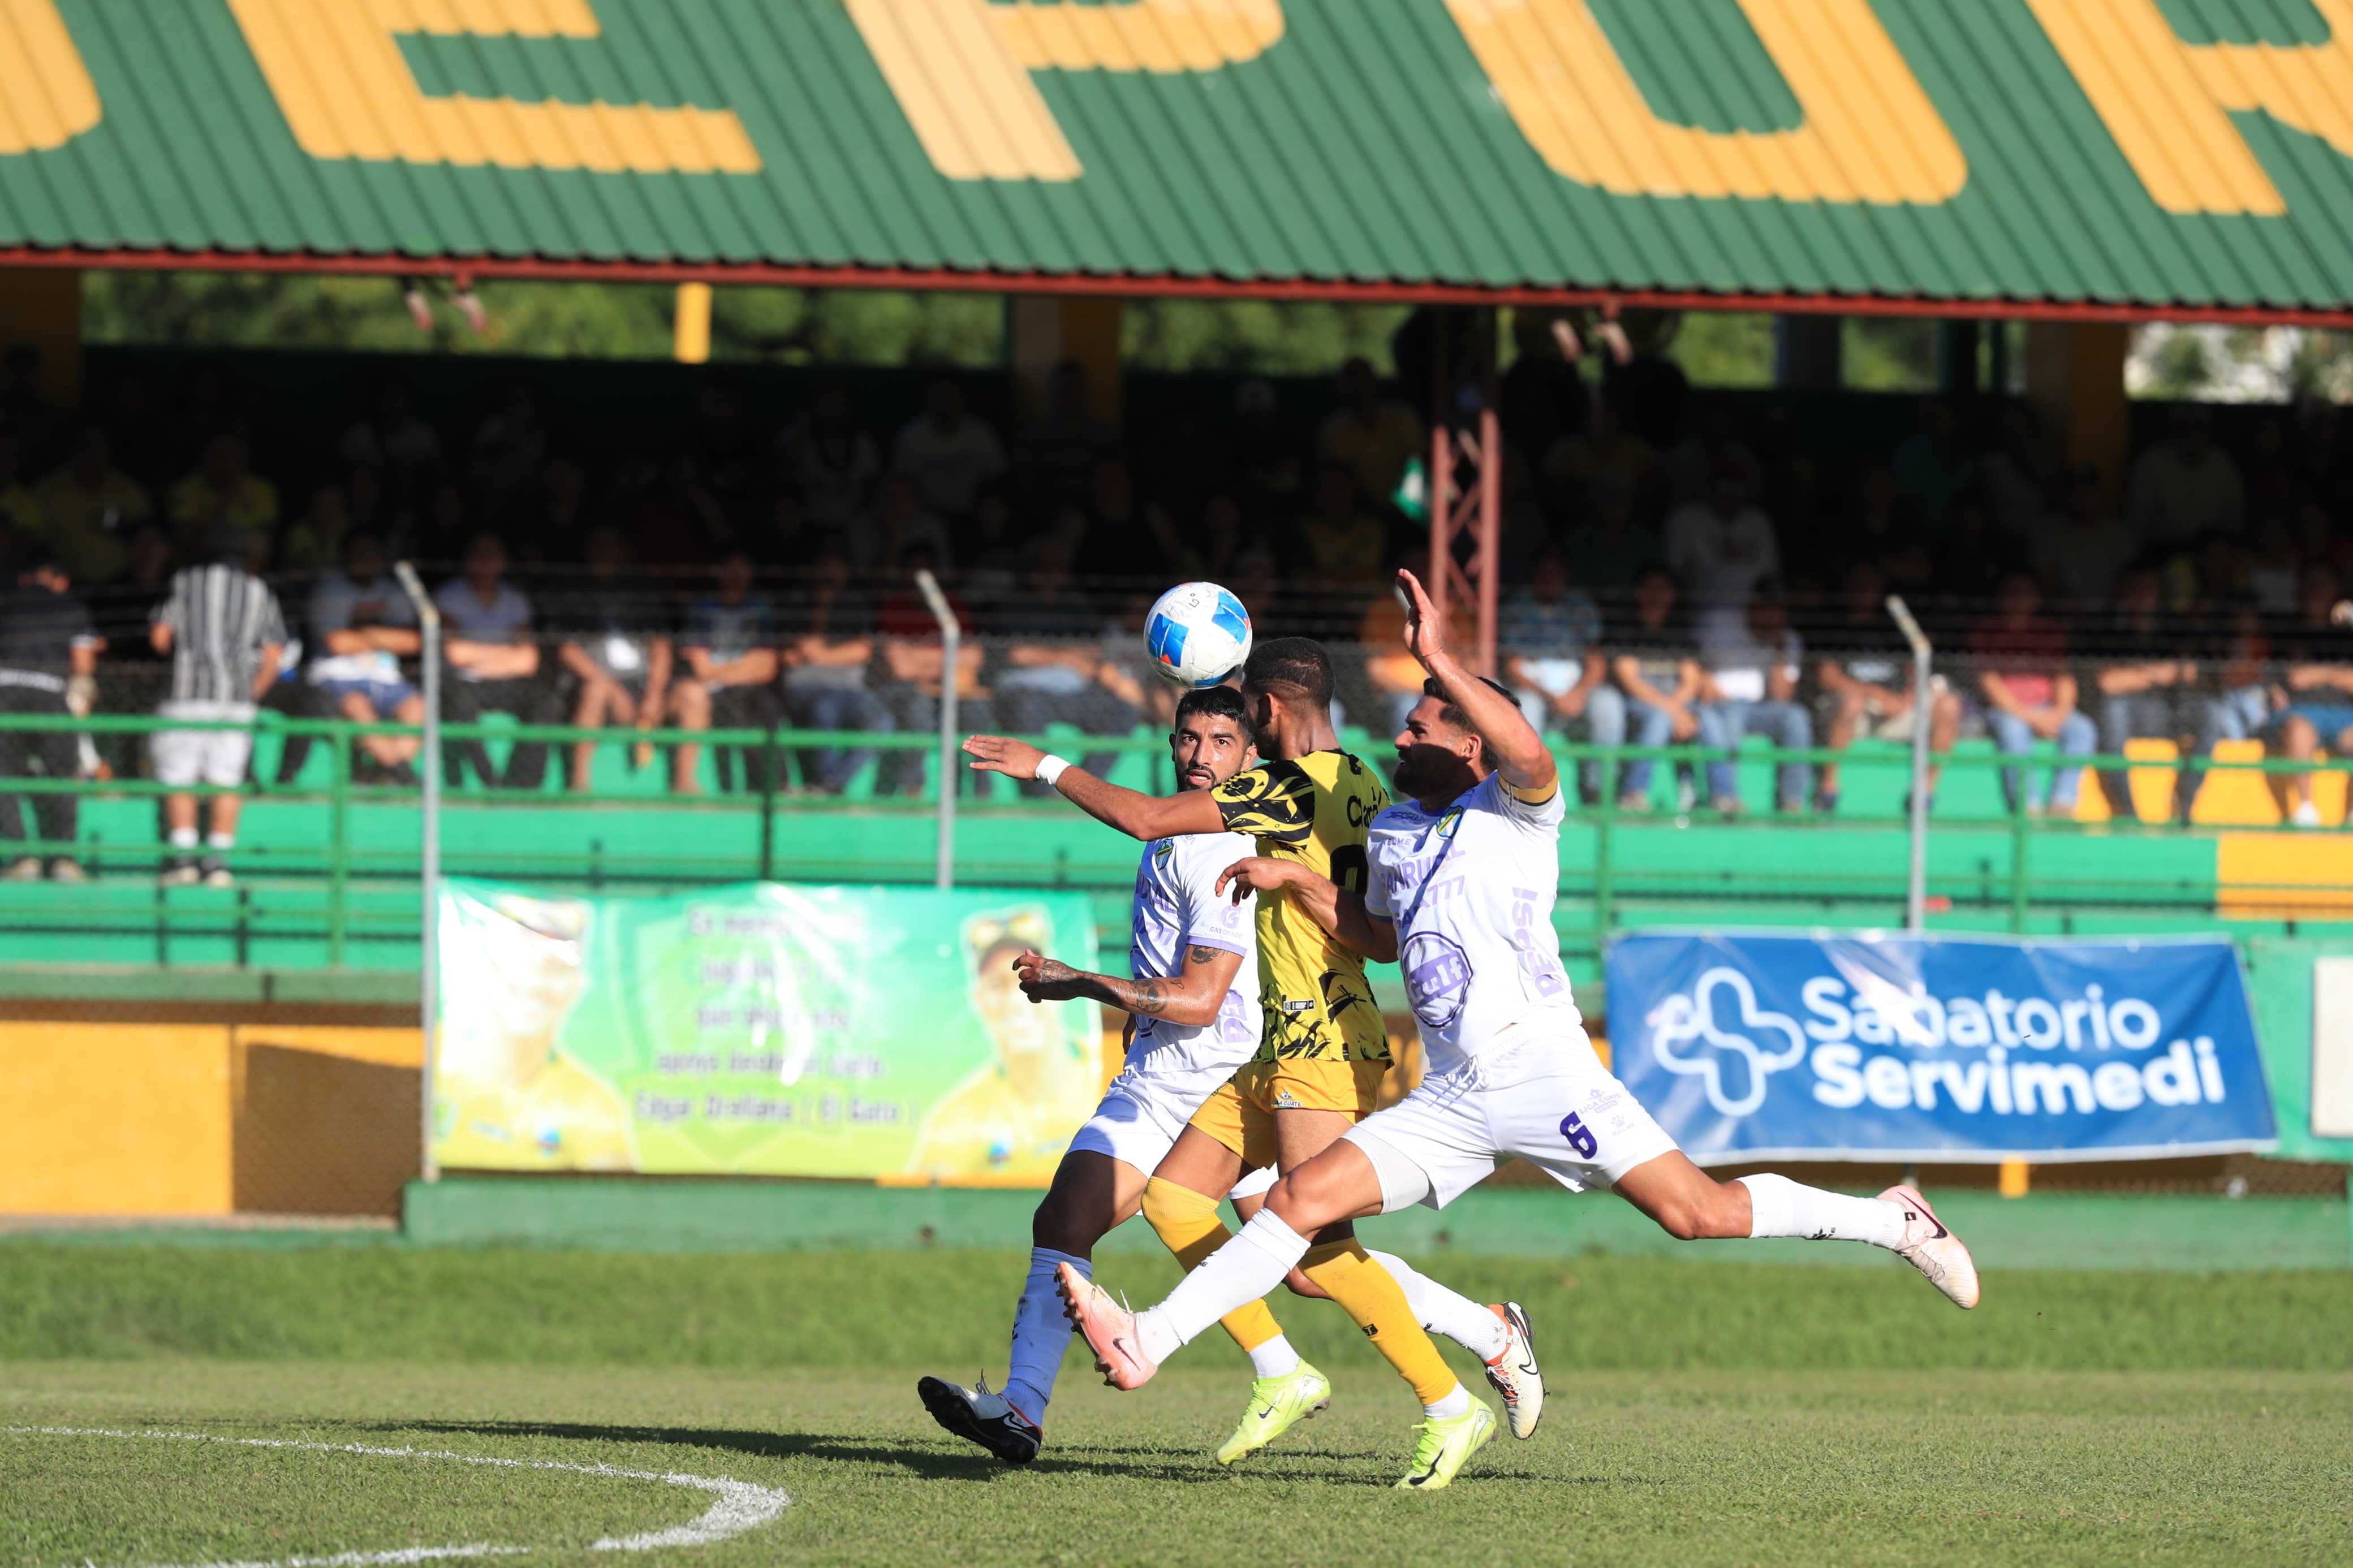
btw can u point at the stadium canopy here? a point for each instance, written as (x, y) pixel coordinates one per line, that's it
(2089, 159)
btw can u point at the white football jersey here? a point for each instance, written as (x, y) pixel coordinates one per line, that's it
(1177, 906)
(1470, 888)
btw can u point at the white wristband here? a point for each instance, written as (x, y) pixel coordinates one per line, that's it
(1050, 768)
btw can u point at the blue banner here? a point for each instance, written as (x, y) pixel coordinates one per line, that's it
(1947, 1047)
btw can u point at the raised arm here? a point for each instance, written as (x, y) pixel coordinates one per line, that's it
(1513, 745)
(1139, 816)
(1191, 998)
(1328, 904)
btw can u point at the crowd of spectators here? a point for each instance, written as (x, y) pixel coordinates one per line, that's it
(1670, 573)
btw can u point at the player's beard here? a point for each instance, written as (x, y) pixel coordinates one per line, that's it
(1425, 772)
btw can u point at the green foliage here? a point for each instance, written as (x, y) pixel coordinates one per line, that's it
(815, 1309)
(1256, 336)
(1888, 354)
(1724, 349)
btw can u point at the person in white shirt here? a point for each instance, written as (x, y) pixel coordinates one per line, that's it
(1750, 684)
(1463, 874)
(946, 454)
(365, 625)
(1720, 549)
(2185, 487)
(490, 650)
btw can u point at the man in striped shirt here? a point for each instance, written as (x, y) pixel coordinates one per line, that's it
(225, 633)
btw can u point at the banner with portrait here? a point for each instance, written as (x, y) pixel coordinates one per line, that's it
(760, 1029)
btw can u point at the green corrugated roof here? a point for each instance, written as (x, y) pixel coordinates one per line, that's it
(2156, 155)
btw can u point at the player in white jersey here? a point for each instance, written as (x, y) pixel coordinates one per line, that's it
(1193, 1007)
(1460, 895)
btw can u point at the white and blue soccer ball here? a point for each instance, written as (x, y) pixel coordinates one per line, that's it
(1197, 633)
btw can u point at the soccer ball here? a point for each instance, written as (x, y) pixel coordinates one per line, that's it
(1197, 633)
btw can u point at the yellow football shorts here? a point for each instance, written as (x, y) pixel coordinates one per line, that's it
(1241, 1114)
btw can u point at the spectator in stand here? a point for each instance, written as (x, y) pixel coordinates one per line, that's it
(1184, 465)
(1054, 462)
(2315, 699)
(2030, 694)
(24, 404)
(1868, 687)
(87, 510)
(2155, 698)
(1935, 465)
(1053, 672)
(2015, 480)
(49, 665)
(553, 523)
(1751, 688)
(1342, 541)
(492, 652)
(1972, 559)
(2088, 545)
(1119, 538)
(135, 430)
(315, 541)
(1689, 469)
(911, 660)
(224, 494)
(1720, 549)
(361, 626)
(727, 453)
(19, 512)
(1545, 399)
(508, 451)
(222, 629)
(900, 520)
(829, 463)
(202, 404)
(1577, 467)
(2184, 487)
(1207, 550)
(2211, 572)
(617, 646)
(1608, 548)
(1268, 469)
(1549, 637)
(729, 645)
(2271, 566)
(1395, 675)
(829, 644)
(987, 551)
(946, 454)
(401, 448)
(1655, 663)
(1373, 438)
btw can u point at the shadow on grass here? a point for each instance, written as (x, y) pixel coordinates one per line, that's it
(932, 1461)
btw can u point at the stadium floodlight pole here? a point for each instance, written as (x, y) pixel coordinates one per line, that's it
(428, 619)
(1916, 899)
(951, 645)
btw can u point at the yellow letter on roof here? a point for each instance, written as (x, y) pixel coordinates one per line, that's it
(960, 69)
(1869, 134)
(46, 94)
(338, 74)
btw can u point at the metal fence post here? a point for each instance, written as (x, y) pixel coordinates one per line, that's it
(951, 645)
(428, 617)
(1916, 895)
(339, 839)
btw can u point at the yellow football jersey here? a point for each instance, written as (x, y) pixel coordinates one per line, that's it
(1313, 809)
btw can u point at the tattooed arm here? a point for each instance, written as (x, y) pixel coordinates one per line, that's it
(1190, 998)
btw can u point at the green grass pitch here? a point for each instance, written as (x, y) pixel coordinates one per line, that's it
(1700, 1413)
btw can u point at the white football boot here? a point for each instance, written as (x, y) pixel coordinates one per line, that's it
(1934, 1251)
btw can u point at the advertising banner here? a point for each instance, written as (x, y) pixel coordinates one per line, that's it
(1954, 1049)
(761, 1029)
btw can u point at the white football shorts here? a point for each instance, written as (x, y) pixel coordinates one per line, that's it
(1548, 1101)
(1145, 1108)
(184, 757)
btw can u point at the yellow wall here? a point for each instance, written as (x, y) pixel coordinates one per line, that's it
(204, 1119)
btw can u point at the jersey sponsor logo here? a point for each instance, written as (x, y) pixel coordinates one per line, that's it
(1437, 977)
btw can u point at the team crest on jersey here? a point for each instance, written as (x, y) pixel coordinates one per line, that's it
(1163, 852)
(1449, 822)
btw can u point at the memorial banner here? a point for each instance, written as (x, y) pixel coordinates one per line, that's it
(760, 1029)
(1955, 1049)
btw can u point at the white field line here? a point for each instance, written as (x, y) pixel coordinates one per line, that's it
(740, 1505)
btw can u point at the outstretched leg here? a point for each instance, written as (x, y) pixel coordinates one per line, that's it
(1690, 1204)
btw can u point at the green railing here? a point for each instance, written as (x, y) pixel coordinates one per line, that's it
(353, 889)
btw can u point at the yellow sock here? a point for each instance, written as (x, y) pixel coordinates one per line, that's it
(1186, 1222)
(1367, 1293)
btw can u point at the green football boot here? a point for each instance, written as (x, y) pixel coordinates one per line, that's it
(1276, 1404)
(1443, 1446)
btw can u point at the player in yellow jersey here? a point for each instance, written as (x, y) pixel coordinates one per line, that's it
(1322, 1048)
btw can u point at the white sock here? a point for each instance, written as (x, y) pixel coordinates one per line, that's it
(1274, 1359)
(221, 842)
(1040, 1334)
(1780, 1206)
(1455, 1404)
(183, 839)
(1243, 1271)
(1444, 1311)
